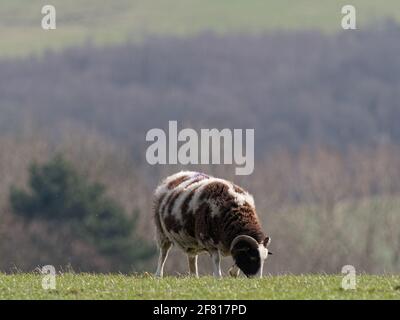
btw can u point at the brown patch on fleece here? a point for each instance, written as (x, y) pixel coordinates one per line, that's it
(170, 221)
(206, 226)
(174, 183)
(197, 179)
(187, 214)
(172, 200)
(166, 203)
(238, 189)
(218, 191)
(172, 224)
(185, 203)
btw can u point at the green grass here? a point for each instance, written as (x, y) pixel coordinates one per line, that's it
(108, 22)
(90, 286)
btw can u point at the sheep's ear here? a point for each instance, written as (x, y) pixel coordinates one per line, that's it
(267, 241)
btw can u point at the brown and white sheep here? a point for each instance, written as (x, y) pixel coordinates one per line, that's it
(199, 213)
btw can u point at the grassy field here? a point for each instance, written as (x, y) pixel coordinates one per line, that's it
(108, 22)
(90, 286)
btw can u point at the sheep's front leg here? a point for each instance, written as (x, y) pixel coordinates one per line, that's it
(192, 260)
(216, 260)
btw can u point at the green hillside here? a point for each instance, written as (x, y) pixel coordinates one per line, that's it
(107, 22)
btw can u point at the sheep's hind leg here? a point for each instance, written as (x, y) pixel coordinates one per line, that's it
(165, 246)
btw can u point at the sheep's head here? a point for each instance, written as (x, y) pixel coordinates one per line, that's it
(249, 255)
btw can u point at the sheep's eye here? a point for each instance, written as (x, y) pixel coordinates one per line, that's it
(253, 258)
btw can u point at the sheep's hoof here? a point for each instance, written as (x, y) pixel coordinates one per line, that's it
(233, 272)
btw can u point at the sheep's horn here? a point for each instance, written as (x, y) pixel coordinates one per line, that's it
(243, 237)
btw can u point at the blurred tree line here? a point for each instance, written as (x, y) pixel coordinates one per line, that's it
(294, 88)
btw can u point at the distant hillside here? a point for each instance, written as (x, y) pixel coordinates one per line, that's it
(294, 89)
(109, 22)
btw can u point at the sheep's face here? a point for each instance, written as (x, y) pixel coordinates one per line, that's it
(249, 255)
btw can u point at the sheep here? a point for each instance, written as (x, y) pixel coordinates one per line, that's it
(199, 213)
